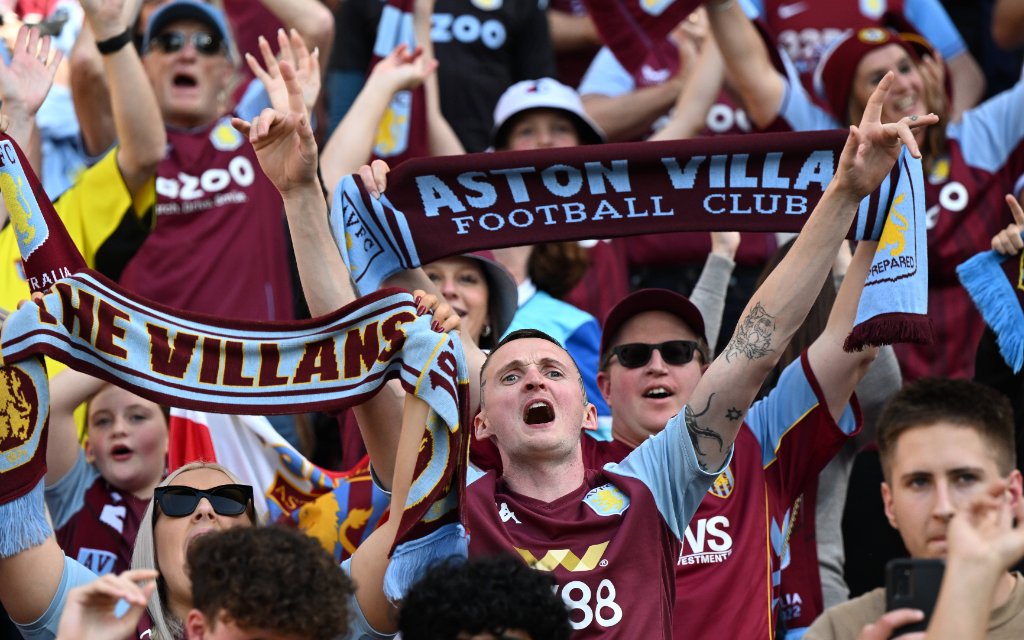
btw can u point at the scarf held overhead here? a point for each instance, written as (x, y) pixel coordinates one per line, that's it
(195, 362)
(440, 207)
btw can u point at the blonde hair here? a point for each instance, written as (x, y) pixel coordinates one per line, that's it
(165, 625)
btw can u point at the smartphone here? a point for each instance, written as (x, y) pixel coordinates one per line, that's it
(912, 583)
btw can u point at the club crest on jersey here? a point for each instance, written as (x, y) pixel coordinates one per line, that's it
(607, 500)
(1020, 273)
(23, 390)
(655, 7)
(487, 5)
(225, 137)
(393, 132)
(873, 35)
(723, 484)
(873, 8)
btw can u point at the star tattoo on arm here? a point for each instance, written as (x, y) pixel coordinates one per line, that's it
(696, 432)
(753, 337)
(733, 414)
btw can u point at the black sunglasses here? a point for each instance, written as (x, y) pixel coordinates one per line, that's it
(206, 44)
(177, 501)
(637, 354)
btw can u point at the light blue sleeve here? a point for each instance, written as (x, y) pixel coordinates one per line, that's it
(65, 497)
(753, 8)
(929, 17)
(45, 628)
(989, 132)
(253, 101)
(606, 76)
(585, 345)
(798, 108)
(775, 415)
(358, 627)
(667, 464)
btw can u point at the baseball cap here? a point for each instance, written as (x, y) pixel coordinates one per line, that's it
(180, 10)
(833, 77)
(645, 300)
(546, 93)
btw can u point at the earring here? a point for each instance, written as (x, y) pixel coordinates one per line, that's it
(486, 333)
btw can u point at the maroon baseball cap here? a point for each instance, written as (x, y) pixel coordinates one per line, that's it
(833, 77)
(645, 300)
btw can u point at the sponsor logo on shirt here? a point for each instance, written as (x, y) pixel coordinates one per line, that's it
(787, 11)
(467, 29)
(214, 187)
(225, 137)
(606, 500)
(723, 485)
(590, 560)
(706, 541)
(655, 7)
(507, 514)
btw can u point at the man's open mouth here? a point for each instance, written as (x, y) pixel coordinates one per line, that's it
(539, 412)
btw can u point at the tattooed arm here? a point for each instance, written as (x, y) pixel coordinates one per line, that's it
(775, 311)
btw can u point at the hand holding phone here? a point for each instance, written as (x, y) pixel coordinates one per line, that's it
(913, 583)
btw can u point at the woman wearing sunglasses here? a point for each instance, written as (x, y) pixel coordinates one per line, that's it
(194, 500)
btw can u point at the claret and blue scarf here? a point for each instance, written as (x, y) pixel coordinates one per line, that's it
(440, 207)
(189, 361)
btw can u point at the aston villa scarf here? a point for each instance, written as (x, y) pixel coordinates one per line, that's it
(196, 362)
(996, 284)
(440, 207)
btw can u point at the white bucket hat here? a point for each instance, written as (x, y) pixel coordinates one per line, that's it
(546, 93)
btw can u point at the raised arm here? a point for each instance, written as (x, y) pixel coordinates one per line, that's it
(747, 63)
(351, 143)
(310, 18)
(701, 69)
(138, 122)
(837, 371)
(441, 137)
(776, 310)
(68, 390)
(24, 83)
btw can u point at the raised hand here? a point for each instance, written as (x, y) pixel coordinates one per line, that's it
(375, 177)
(990, 531)
(25, 82)
(284, 141)
(873, 146)
(445, 318)
(305, 64)
(105, 17)
(1008, 241)
(92, 610)
(403, 69)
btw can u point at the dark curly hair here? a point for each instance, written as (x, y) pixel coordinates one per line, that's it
(483, 595)
(269, 578)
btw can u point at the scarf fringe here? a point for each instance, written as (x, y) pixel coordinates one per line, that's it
(410, 560)
(889, 328)
(23, 523)
(995, 298)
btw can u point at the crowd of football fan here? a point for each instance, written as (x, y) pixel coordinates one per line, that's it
(672, 441)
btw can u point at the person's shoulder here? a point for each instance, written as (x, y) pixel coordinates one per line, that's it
(845, 621)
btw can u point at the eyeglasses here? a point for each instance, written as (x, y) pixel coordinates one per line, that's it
(637, 354)
(206, 44)
(178, 501)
